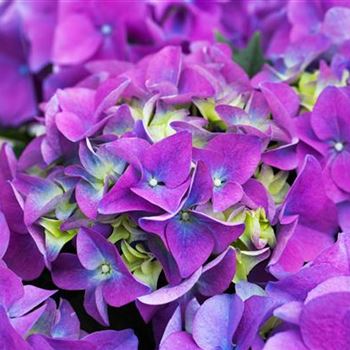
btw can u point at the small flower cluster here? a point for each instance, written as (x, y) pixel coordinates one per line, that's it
(214, 198)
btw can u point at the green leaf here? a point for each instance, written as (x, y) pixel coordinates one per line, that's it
(251, 58)
(220, 38)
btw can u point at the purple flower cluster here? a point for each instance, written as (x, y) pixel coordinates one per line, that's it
(205, 196)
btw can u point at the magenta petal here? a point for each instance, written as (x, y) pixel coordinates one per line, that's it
(11, 288)
(162, 158)
(163, 70)
(76, 40)
(33, 296)
(179, 340)
(228, 195)
(76, 118)
(9, 338)
(4, 235)
(288, 340)
(283, 157)
(284, 104)
(327, 327)
(330, 116)
(309, 226)
(344, 215)
(24, 324)
(340, 170)
(234, 149)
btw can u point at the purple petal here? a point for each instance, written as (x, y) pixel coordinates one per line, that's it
(33, 296)
(337, 255)
(123, 289)
(120, 199)
(216, 321)
(168, 199)
(68, 325)
(113, 340)
(234, 149)
(218, 274)
(232, 115)
(283, 157)
(344, 216)
(167, 261)
(28, 266)
(25, 323)
(95, 305)
(93, 249)
(191, 310)
(88, 197)
(224, 233)
(186, 239)
(296, 287)
(257, 310)
(289, 312)
(336, 24)
(41, 342)
(173, 152)
(68, 273)
(337, 284)
(170, 293)
(174, 324)
(200, 189)
(41, 200)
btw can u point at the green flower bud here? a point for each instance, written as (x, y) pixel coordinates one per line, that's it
(276, 184)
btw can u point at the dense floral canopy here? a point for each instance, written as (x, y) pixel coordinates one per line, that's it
(175, 175)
